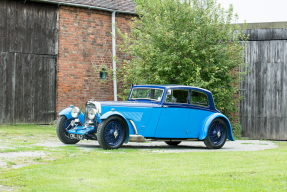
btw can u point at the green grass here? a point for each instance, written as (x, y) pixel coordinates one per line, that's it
(9, 163)
(72, 169)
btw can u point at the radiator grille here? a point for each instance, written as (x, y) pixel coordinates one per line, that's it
(88, 106)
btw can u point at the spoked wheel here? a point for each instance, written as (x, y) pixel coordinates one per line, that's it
(111, 133)
(173, 143)
(63, 125)
(216, 135)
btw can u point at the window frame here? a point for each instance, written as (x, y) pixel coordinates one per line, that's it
(154, 100)
(188, 96)
(206, 106)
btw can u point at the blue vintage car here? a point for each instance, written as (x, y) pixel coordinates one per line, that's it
(170, 113)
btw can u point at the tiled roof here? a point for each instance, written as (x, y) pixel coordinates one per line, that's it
(120, 5)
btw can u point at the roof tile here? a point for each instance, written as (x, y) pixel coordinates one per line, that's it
(120, 5)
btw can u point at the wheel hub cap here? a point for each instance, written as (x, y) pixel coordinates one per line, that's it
(116, 133)
(218, 134)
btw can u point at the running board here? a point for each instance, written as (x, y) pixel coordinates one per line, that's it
(137, 138)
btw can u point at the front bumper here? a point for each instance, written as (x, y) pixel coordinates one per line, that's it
(81, 130)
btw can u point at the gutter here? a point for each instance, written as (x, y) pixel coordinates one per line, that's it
(85, 6)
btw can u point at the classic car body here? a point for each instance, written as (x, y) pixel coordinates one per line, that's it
(170, 113)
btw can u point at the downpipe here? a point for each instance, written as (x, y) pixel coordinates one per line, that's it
(114, 54)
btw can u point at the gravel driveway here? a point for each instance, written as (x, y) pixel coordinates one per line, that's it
(193, 146)
(185, 146)
(153, 147)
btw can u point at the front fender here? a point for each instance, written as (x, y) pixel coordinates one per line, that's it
(130, 127)
(67, 113)
(207, 122)
(111, 113)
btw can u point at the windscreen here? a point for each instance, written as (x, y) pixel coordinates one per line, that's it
(147, 93)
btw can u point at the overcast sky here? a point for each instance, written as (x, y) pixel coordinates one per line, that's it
(254, 11)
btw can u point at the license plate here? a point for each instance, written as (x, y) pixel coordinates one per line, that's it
(76, 136)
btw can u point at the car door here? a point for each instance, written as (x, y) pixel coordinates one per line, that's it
(174, 118)
(199, 111)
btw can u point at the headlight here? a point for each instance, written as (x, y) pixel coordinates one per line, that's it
(75, 112)
(92, 113)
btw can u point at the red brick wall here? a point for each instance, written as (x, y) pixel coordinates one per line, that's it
(85, 41)
(122, 22)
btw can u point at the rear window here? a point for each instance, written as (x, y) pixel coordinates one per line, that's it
(198, 98)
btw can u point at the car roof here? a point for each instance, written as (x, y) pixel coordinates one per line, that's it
(173, 86)
(207, 92)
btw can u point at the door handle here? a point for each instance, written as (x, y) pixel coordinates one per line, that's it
(165, 106)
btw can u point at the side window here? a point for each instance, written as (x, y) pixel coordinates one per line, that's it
(198, 98)
(176, 96)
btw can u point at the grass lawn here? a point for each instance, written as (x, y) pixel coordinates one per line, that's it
(69, 168)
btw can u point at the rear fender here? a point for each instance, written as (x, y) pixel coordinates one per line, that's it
(67, 113)
(130, 129)
(207, 122)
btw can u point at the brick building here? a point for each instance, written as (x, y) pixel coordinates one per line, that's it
(85, 41)
(48, 50)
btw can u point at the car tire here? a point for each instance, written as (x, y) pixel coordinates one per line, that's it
(216, 135)
(62, 134)
(173, 143)
(111, 133)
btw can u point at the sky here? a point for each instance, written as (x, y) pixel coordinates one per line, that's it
(258, 11)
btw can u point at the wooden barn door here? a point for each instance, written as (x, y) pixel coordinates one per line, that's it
(263, 110)
(28, 38)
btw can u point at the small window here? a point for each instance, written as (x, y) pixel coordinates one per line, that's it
(177, 96)
(198, 98)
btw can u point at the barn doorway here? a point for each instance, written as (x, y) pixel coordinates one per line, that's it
(28, 57)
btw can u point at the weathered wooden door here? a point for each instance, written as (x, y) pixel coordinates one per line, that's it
(263, 110)
(28, 39)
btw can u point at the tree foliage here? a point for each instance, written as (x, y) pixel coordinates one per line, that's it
(187, 42)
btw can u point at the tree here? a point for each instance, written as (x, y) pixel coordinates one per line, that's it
(187, 42)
